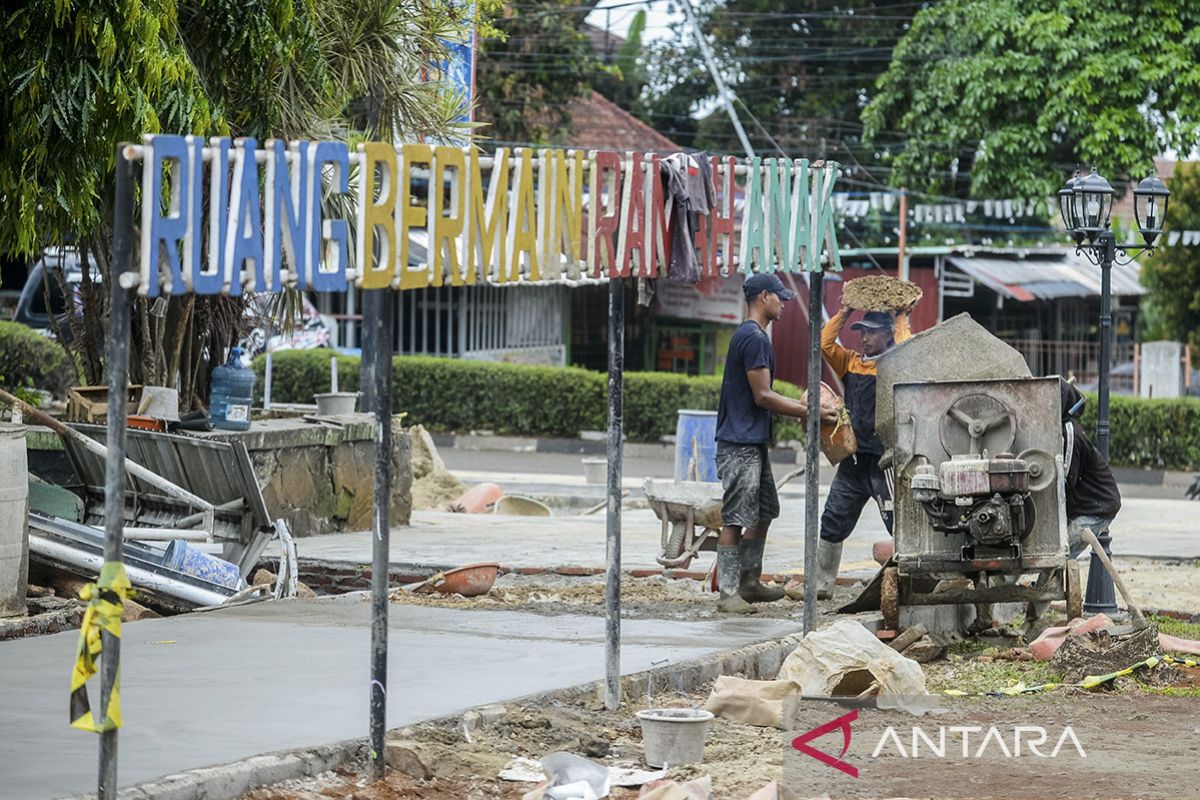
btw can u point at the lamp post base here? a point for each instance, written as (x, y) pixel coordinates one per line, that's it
(1100, 596)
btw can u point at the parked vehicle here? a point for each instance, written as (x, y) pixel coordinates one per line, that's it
(32, 308)
(62, 266)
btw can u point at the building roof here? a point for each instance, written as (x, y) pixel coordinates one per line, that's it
(1046, 277)
(600, 124)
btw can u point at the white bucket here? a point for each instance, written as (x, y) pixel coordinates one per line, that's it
(335, 404)
(14, 532)
(595, 470)
(674, 736)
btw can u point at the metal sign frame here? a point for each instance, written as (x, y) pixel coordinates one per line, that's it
(268, 228)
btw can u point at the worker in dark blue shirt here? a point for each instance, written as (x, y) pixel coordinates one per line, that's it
(743, 433)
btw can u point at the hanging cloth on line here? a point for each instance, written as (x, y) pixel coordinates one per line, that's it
(689, 189)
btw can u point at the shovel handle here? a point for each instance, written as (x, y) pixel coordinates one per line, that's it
(1138, 620)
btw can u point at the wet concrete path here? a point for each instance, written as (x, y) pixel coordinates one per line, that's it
(209, 688)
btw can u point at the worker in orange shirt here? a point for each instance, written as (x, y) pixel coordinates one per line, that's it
(859, 477)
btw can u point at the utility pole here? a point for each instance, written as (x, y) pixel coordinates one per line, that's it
(902, 261)
(722, 90)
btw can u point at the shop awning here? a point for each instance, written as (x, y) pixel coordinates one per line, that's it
(1046, 277)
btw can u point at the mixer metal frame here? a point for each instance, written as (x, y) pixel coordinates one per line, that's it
(929, 567)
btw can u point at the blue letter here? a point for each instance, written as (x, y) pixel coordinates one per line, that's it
(286, 222)
(210, 281)
(331, 278)
(244, 241)
(165, 232)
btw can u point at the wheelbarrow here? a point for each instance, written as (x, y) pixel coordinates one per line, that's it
(690, 512)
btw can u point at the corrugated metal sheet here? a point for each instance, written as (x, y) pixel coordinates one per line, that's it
(219, 472)
(1043, 278)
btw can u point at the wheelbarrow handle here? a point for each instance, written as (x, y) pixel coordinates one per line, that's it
(796, 473)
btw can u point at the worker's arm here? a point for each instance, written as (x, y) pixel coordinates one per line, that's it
(768, 398)
(836, 356)
(903, 330)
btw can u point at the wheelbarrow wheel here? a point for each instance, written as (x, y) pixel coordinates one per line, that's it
(889, 599)
(1074, 591)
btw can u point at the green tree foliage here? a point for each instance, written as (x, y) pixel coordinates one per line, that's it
(1008, 94)
(800, 69)
(79, 77)
(528, 72)
(624, 82)
(1172, 274)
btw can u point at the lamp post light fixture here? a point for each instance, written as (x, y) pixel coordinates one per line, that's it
(1086, 205)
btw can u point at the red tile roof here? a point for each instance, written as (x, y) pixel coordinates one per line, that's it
(598, 123)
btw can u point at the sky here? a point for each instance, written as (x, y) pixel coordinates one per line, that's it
(661, 16)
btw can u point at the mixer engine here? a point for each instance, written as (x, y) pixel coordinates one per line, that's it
(986, 499)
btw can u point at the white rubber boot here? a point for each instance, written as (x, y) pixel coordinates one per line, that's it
(829, 559)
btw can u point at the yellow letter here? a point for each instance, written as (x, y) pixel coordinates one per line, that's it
(375, 217)
(522, 222)
(446, 230)
(410, 216)
(485, 229)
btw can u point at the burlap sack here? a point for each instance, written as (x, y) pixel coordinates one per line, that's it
(766, 704)
(838, 441)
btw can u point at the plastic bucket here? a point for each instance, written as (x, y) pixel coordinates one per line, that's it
(699, 427)
(199, 564)
(674, 736)
(14, 537)
(595, 470)
(334, 404)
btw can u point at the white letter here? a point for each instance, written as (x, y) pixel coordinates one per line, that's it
(1033, 746)
(1068, 733)
(965, 730)
(993, 733)
(889, 731)
(938, 750)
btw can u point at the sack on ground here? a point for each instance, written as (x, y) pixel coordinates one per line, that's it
(846, 660)
(765, 704)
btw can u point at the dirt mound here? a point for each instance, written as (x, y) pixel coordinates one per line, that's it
(880, 293)
(433, 485)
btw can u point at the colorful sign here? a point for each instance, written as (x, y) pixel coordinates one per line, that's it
(516, 216)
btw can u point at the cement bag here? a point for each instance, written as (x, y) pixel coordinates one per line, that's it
(845, 659)
(766, 704)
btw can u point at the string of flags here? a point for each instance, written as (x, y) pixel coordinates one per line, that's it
(1185, 238)
(854, 205)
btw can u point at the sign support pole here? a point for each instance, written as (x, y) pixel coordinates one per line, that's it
(116, 356)
(612, 582)
(378, 304)
(812, 460)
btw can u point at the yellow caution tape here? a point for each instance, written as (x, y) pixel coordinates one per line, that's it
(1183, 662)
(106, 603)
(1089, 682)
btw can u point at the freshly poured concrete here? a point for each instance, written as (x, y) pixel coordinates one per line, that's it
(204, 689)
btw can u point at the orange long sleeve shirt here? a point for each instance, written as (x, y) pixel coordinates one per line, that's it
(858, 375)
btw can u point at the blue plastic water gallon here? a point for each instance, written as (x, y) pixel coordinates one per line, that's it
(696, 438)
(232, 394)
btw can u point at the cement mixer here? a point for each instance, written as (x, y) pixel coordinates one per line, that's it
(974, 443)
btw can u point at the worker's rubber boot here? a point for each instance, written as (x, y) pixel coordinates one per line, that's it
(829, 559)
(750, 585)
(729, 573)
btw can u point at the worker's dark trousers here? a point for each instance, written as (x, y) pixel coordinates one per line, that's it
(858, 479)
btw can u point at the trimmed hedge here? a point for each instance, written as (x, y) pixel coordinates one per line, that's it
(29, 360)
(1149, 434)
(459, 395)
(447, 394)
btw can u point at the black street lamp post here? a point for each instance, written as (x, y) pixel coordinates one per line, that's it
(1086, 205)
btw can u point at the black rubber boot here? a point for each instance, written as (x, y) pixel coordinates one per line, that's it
(750, 585)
